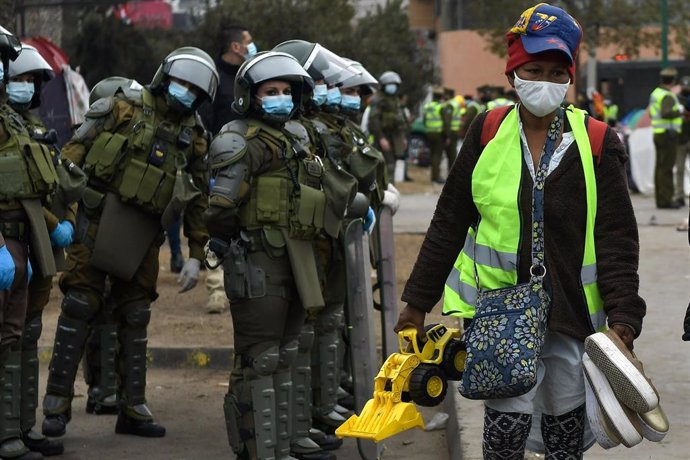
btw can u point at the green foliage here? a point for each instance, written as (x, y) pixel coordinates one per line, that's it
(104, 46)
(384, 41)
(273, 21)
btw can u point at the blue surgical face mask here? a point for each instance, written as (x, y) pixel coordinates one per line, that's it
(20, 92)
(181, 94)
(251, 51)
(277, 105)
(333, 96)
(391, 88)
(320, 95)
(2, 72)
(351, 102)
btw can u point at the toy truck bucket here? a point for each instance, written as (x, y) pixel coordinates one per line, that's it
(386, 414)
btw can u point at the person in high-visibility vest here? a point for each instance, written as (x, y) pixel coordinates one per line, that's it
(500, 100)
(610, 112)
(667, 123)
(452, 120)
(471, 110)
(433, 126)
(483, 222)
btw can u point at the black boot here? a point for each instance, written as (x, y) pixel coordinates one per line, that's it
(139, 422)
(15, 449)
(325, 441)
(46, 446)
(55, 425)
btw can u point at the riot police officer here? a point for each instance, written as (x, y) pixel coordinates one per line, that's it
(27, 75)
(387, 121)
(100, 353)
(266, 208)
(145, 162)
(28, 182)
(317, 371)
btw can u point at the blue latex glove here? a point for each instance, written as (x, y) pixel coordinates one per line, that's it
(6, 268)
(61, 237)
(369, 221)
(29, 270)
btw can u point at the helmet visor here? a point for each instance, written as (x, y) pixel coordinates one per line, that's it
(31, 61)
(9, 44)
(275, 65)
(334, 69)
(194, 70)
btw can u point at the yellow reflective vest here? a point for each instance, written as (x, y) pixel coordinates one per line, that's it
(660, 125)
(493, 246)
(433, 118)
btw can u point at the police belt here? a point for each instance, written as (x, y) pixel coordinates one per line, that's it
(14, 230)
(256, 244)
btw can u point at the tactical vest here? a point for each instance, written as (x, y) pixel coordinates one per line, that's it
(289, 194)
(140, 161)
(433, 120)
(392, 118)
(660, 125)
(494, 244)
(338, 184)
(27, 170)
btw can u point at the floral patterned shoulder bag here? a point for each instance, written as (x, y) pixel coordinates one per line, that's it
(505, 337)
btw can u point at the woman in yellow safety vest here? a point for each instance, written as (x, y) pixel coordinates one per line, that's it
(484, 214)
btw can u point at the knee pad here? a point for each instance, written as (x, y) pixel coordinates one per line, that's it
(32, 331)
(263, 361)
(81, 305)
(287, 355)
(306, 337)
(137, 315)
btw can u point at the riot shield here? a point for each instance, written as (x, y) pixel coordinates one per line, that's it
(360, 325)
(386, 280)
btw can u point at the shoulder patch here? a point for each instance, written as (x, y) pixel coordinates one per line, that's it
(227, 147)
(101, 107)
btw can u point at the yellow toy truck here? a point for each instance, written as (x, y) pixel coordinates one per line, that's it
(418, 374)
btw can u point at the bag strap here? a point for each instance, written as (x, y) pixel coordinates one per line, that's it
(492, 122)
(596, 131)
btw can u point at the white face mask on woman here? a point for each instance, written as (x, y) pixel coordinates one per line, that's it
(540, 97)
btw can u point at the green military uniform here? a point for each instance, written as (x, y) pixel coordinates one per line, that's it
(23, 178)
(471, 110)
(452, 122)
(433, 126)
(145, 159)
(667, 121)
(387, 121)
(266, 208)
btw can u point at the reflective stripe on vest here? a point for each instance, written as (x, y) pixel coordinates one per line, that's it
(456, 115)
(659, 125)
(433, 121)
(495, 243)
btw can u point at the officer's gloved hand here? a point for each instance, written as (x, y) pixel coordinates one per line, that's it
(189, 274)
(686, 325)
(369, 221)
(61, 237)
(391, 198)
(6, 268)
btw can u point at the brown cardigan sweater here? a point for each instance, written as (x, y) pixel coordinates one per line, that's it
(616, 237)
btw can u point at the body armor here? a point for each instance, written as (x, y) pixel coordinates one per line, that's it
(27, 169)
(140, 163)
